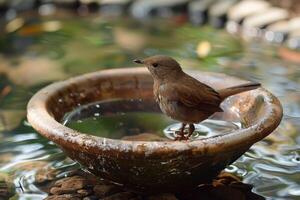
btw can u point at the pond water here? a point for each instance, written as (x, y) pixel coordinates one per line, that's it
(35, 51)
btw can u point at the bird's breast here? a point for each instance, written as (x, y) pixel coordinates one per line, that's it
(167, 107)
(177, 111)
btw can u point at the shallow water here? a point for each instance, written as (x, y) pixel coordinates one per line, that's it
(139, 120)
(37, 51)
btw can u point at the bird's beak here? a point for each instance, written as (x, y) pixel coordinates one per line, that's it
(138, 61)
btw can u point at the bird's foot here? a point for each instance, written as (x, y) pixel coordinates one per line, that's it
(181, 136)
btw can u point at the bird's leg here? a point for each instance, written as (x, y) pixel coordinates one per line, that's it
(191, 130)
(180, 133)
(182, 128)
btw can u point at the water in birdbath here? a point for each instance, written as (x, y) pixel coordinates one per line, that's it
(137, 119)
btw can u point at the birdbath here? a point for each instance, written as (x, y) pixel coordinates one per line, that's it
(151, 166)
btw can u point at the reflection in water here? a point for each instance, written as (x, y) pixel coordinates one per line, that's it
(36, 52)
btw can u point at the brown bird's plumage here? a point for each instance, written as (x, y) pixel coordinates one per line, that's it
(184, 98)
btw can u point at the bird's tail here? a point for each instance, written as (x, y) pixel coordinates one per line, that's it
(224, 93)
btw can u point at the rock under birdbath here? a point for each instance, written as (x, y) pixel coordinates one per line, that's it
(6, 186)
(82, 185)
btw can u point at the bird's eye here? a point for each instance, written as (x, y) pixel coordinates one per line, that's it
(154, 64)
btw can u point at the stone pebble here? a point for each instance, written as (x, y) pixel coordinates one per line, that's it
(84, 186)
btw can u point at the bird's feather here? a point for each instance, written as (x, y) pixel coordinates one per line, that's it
(193, 94)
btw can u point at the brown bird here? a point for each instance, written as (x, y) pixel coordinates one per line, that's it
(184, 98)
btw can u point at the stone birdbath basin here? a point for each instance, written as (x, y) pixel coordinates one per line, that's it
(151, 166)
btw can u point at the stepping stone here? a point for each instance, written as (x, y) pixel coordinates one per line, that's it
(241, 10)
(253, 24)
(167, 8)
(198, 11)
(246, 8)
(264, 18)
(279, 31)
(218, 13)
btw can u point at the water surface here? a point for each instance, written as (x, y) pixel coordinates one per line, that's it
(138, 119)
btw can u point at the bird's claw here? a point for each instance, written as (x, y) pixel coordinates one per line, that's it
(181, 136)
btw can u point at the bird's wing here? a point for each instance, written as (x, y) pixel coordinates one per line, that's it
(193, 94)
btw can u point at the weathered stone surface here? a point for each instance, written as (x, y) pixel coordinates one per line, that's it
(6, 186)
(4, 192)
(75, 183)
(64, 197)
(59, 182)
(84, 192)
(58, 190)
(225, 179)
(45, 175)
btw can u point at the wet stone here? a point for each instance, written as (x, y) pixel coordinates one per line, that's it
(58, 190)
(84, 192)
(60, 182)
(45, 175)
(74, 183)
(225, 179)
(6, 187)
(64, 197)
(4, 192)
(85, 186)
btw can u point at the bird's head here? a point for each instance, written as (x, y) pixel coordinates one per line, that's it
(161, 67)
